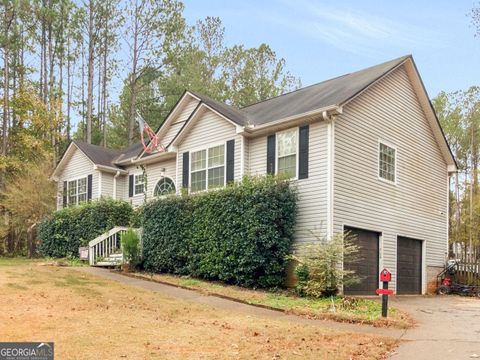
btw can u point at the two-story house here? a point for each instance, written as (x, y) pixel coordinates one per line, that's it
(365, 150)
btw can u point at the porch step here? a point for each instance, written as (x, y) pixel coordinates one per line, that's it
(108, 263)
(111, 260)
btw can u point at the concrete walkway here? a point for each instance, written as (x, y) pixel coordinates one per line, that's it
(225, 304)
(448, 328)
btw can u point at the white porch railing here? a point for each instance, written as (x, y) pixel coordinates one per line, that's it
(105, 245)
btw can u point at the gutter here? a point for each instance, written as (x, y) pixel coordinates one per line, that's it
(335, 109)
(110, 169)
(154, 157)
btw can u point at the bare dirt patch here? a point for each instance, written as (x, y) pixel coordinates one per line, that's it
(92, 318)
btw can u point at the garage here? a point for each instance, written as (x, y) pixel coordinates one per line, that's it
(367, 265)
(409, 266)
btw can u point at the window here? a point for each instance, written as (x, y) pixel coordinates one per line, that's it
(76, 191)
(139, 184)
(82, 190)
(208, 168)
(165, 186)
(387, 162)
(287, 153)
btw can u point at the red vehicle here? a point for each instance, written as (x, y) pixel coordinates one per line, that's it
(447, 282)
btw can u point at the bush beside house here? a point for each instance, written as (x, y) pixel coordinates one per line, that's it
(240, 234)
(62, 233)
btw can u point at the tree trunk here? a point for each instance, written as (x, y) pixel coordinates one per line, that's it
(69, 80)
(44, 44)
(104, 84)
(84, 118)
(6, 72)
(90, 73)
(133, 78)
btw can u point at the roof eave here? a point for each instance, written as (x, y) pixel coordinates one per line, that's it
(110, 169)
(259, 129)
(154, 158)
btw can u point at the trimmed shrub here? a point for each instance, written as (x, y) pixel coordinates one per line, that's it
(240, 234)
(62, 233)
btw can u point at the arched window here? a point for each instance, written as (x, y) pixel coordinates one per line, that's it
(165, 186)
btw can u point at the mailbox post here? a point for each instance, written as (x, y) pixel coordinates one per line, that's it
(385, 278)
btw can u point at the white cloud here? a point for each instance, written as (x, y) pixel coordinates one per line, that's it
(354, 30)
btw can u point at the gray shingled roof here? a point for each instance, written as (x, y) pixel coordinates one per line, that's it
(333, 92)
(327, 93)
(236, 115)
(97, 154)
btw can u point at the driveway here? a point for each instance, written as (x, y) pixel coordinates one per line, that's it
(448, 328)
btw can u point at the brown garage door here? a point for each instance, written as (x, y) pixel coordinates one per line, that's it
(367, 265)
(409, 266)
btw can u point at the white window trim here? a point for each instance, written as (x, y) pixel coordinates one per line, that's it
(390, 145)
(162, 196)
(77, 194)
(296, 153)
(134, 188)
(224, 143)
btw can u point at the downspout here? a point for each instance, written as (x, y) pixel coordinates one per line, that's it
(115, 185)
(330, 169)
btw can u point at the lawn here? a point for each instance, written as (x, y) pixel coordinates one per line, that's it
(91, 318)
(353, 310)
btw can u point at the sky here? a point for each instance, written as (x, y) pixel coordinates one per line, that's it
(323, 39)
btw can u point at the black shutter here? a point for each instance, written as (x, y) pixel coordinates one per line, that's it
(186, 160)
(89, 187)
(230, 160)
(65, 193)
(303, 152)
(271, 154)
(130, 186)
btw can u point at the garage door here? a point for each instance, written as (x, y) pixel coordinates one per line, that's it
(409, 266)
(367, 265)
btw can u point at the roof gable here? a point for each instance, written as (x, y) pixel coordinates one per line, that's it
(196, 116)
(66, 157)
(171, 118)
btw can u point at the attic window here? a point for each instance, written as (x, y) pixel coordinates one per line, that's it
(387, 162)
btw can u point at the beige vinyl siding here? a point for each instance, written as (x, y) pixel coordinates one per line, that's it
(209, 129)
(121, 184)
(79, 165)
(312, 192)
(107, 185)
(178, 123)
(416, 206)
(154, 174)
(257, 156)
(246, 156)
(136, 200)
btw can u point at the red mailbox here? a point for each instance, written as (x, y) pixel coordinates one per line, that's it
(385, 275)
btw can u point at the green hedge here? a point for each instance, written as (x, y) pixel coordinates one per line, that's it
(240, 234)
(62, 233)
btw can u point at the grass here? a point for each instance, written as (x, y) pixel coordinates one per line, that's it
(92, 318)
(353, 310)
